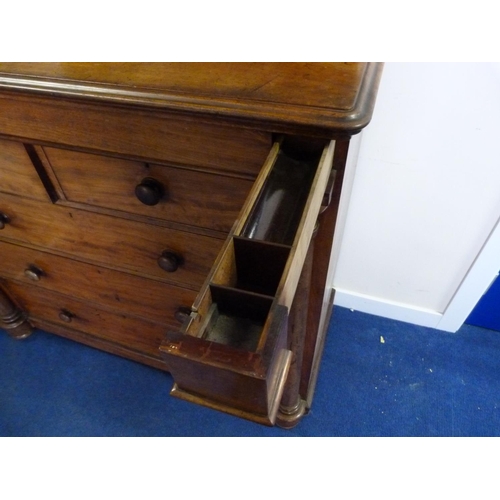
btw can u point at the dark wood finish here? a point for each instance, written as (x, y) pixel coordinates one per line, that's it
(277, 212)
(232, 380)
(258, 265)
(146, 210)
(149, 191)
(170, 261)
(112, 183)
(127, 331)
(109, 289)
(17, 175)
(332, 96)
(292, 406)
(130, 246)
(136, 134)
(4, 220)
(233, 319)
(321, 297)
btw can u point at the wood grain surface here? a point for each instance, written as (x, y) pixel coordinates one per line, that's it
(338, 96)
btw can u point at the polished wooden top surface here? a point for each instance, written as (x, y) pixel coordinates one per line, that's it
(331, 95)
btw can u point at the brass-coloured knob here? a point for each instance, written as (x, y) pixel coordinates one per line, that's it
(3, 220)
(169, 261)
(66, 316)
(33, 273)
(149, 191)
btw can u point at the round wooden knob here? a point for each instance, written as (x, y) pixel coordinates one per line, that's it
(149, 191)
(66, 316)
(182, 314)
(169, 261)
(33, 273)
(3, 220)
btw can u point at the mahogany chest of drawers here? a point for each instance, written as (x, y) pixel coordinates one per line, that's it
(180, 215)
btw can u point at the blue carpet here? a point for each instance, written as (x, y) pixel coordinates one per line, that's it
(378, 377)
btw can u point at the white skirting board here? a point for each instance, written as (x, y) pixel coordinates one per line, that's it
(477, 280)
(391, 310)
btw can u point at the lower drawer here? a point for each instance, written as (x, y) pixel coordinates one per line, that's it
(178, 257)
(121, 292)
(126, 332)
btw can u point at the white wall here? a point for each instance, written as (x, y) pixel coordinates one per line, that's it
(426, 192)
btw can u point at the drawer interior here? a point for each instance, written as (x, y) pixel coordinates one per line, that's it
(236, 334)
(276, 214)
(235, 317)
(245, 284)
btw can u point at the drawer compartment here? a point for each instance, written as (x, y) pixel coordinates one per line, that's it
(47, 308)
(232, 354)
(162, 192)
(17, 173)
(185, 258)
(114, 290)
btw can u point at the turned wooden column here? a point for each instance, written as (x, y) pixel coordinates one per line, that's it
(13, 319)
(293, 407)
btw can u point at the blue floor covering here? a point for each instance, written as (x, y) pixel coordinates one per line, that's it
(378, 377)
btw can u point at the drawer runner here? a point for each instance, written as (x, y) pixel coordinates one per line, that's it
(231, 353)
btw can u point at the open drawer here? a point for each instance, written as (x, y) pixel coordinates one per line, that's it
(232, 352)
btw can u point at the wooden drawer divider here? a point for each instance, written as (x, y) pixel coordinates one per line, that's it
(231, 353)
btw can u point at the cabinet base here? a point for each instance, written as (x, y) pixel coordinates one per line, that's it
(13, 319)
(289, 417)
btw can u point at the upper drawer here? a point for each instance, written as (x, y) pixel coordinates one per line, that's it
(181, 195)
(17, 173)
(140, 134)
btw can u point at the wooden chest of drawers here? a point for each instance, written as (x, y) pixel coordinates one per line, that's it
(180, 215)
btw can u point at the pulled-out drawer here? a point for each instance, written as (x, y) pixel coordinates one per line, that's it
(181, 195)
(232, 352)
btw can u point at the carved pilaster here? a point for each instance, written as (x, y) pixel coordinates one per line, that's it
(13, 319)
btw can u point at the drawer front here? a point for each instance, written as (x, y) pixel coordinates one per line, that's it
(152, 135)
(180, 195)
(111, 289)
(111, 241)
(17, 173)
(128, 332)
